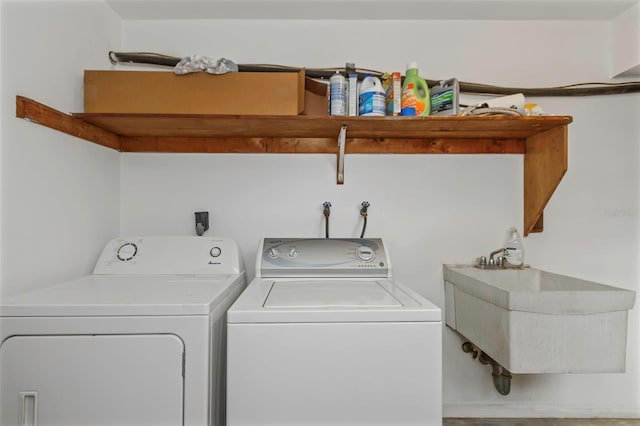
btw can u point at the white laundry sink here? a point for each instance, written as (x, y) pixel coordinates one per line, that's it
(532, 321)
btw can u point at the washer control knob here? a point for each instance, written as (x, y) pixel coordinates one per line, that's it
(365, 254)
(273, 252)
(215, 252)
(293, 252)
(126, 252)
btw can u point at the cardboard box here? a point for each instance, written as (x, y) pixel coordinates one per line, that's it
(316, 97)
(159, 92)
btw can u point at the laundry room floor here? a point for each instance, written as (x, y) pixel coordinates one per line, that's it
(540, 422)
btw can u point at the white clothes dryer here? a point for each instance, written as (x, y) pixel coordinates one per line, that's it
(325, 336)
(141, 341)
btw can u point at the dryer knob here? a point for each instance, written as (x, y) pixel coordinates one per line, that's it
(127, 252)
(273, 252)
(215, 252)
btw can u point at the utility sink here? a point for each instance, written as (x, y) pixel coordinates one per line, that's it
(532, 321)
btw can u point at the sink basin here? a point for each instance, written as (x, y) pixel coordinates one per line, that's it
(533, 290)
(533, 321)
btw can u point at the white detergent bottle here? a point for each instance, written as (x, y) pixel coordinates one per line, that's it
(515, 249)
(372, 99)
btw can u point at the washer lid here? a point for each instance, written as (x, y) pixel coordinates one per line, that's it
(328, 294)
(330, 301)
(120, 295)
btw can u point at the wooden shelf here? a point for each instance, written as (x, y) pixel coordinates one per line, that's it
(542, 140)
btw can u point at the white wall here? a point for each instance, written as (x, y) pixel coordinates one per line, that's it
(430, 209)
(60, 195)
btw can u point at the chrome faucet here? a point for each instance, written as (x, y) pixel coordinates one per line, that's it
(500, 258)
(494, 263)
(499, 262)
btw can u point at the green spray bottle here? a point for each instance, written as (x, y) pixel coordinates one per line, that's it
(415, 93)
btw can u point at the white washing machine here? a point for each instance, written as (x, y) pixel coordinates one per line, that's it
(141, 341)
(324, 336)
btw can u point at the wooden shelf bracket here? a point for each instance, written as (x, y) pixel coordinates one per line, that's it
(545, 163)
(342, 139)
(46, 116)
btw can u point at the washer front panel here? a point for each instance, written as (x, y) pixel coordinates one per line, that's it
(335, 374)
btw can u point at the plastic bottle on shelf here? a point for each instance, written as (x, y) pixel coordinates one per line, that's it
(337, 94)
(415, 92)
(408, 105)
(515, 248)
(372, 99)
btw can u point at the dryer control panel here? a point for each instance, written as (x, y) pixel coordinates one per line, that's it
(170, 255)
(323, 257)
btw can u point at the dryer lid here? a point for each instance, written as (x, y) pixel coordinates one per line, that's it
(125, 295)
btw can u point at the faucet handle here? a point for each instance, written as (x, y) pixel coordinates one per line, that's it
(482, 261)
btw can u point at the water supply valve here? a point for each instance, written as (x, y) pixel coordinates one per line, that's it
(202, 222)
